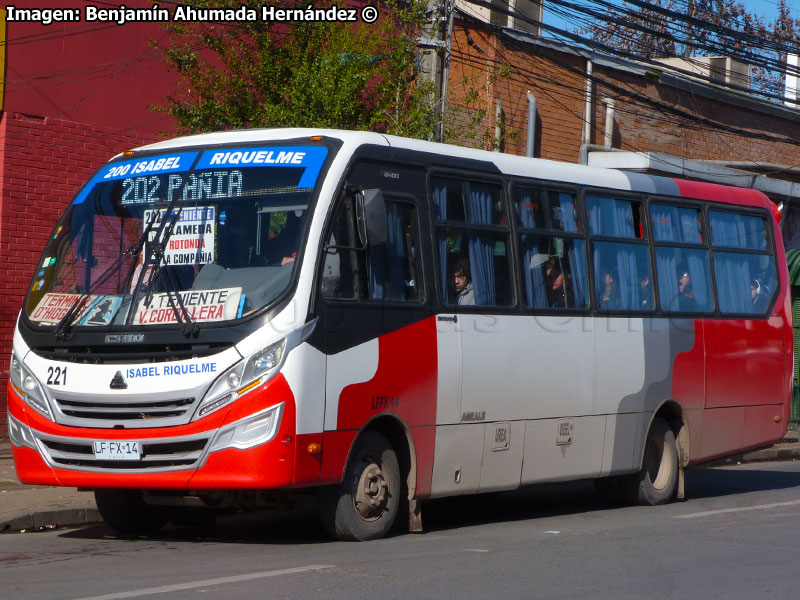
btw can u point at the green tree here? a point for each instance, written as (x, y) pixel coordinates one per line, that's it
(302, 74)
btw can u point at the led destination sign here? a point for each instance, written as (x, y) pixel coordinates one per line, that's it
(208, 185)
(217, 173)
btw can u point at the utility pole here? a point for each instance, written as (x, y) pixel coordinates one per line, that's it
(451, 9)
(434, 50)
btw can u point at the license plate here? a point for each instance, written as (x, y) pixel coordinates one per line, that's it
(108, 450)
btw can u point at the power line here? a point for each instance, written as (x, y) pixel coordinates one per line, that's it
(636, 99)
(577, 40)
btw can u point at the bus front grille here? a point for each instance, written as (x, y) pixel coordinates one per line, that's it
(163, 455)
(114, 410)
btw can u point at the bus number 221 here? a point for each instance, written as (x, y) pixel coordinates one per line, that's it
(56, 376)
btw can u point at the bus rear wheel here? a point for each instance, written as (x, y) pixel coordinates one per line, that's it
(657, 482)
(365, 504)
(126, 512)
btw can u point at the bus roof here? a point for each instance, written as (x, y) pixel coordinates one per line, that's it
(509, 164)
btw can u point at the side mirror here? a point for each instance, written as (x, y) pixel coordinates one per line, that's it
(371, 216)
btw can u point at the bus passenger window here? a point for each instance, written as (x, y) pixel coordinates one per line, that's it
(614, 217)
(482, 243)
(683, 265)
(554, 272)
(744, 267)
(745, 282)
(622, 277)
(448, 200)
(553, 268)
(731, 230)
(684, 280)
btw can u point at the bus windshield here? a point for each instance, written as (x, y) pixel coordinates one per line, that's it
(189, 236)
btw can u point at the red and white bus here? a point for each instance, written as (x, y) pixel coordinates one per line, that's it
(229, 319)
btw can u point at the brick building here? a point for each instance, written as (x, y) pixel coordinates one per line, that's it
(76, 93)
(655, 110)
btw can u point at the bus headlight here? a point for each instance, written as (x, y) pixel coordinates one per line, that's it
(253, 431)
(266, 360)
(28, 387)
(244, 376)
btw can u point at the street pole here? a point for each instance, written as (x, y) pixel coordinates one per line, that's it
(432, 50)
(446, 71)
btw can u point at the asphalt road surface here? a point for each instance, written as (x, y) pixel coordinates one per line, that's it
(737, 536)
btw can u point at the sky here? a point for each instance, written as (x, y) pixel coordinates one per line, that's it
(768, 9)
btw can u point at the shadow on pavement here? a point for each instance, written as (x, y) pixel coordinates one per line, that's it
(709, 483)
(275, 527)
(288, 527)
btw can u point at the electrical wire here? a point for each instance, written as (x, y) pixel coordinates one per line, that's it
(634, 100)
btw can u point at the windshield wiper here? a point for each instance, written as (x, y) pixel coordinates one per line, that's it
(182, 315)
(62, 327)
(157, 254)
(189, 327)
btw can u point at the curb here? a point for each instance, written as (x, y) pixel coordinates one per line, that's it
(763, 455)
(46, 520)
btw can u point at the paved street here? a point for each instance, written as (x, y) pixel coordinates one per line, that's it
(737, 537)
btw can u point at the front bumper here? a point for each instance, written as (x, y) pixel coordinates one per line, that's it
(249, 445)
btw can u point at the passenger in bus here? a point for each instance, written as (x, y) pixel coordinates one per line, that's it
(281, 248)
(289, 239)
(686, 301)
(137, 273)
(556, 286)
(461, 280)
(609, 297)
(646, 292)
(760, 294)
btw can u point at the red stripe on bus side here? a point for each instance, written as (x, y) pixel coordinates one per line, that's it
(404, 385)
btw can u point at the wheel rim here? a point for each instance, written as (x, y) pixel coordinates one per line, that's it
(659, 462)
(372, 490)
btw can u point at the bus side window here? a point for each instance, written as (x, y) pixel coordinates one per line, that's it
(553, 267)
(744, 266)
(475, 251)
(393, 267)
(343, 272)
(384, 272)
(682, 259)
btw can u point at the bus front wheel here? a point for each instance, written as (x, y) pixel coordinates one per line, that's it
(657, 481)
(365, 504)
(127, 514)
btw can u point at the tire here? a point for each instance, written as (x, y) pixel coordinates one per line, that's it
(365, 504)
(127, 514)
(657, 482)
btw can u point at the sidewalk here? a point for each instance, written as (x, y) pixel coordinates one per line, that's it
(37, 508)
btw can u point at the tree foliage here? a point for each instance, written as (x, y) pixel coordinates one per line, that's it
(248, 74)
(694, 28)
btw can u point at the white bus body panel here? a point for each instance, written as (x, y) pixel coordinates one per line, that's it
(355, 365)
(526, 368)
(305, 370)
(448, 353)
